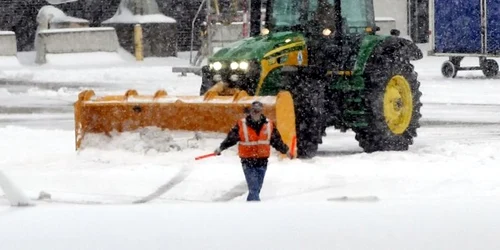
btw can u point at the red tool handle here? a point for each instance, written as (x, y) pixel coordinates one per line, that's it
(294, 143)
(205, 156)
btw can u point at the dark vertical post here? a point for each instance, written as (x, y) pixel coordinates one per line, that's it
(338, 19)
(255, 17)
(484, 27)
(418, 20)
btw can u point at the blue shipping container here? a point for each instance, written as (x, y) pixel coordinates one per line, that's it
(458, 25)
(493, 26)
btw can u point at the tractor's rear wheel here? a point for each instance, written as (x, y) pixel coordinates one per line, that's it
(392, 102)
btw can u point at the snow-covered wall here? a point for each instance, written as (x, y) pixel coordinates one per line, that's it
(77, 40)
(396, 9)
(8, 43)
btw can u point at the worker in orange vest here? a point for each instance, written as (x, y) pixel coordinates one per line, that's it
(255, 134)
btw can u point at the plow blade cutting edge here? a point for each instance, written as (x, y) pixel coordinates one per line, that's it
(208, 113)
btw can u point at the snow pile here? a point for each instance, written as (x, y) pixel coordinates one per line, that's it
(149, 140)
(61, 92)
(60, 1)
(5, 92)
(85, 59)
(384, 19)
(50, 14)
(9, 61)
(37, 98)
(6, 33)
(13, 193)
(128, 9)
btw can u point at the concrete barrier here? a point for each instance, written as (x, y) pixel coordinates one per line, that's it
(8, 43)
(227, 34)
(8, 49)
(75, 40)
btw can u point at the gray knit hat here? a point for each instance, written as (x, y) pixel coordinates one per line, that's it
(257, 106)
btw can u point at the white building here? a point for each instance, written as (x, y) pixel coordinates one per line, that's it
(389, 11)
(411, 17)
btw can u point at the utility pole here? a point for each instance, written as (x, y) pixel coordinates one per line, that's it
(246, 19)
(209, 29)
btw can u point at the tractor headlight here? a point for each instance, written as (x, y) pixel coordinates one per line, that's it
(211, 66)
(244, 65)
(217, 66)
(327, 32)
(264, 31)
(234, 65)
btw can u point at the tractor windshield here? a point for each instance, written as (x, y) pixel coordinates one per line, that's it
(287, 15)
(293, 14)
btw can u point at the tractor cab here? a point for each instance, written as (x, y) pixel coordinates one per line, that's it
(320, 17)
(331, 28)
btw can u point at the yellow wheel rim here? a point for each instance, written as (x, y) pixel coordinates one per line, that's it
(398, 104)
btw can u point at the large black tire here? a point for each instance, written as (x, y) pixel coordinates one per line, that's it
(206, 80)
(308, 94)
(392, 104)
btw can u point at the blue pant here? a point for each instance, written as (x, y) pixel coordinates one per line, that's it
(255, 178)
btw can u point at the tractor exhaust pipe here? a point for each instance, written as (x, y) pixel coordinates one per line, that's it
(255, 17)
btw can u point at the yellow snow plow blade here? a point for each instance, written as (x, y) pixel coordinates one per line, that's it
(209, 113)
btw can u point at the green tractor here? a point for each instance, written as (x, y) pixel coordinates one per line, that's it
(327, 54)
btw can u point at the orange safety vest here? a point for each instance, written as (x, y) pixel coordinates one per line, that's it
(253, 145)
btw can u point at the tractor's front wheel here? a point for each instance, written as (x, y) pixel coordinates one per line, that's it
(308, 93)
(392, 101)
(206, 80)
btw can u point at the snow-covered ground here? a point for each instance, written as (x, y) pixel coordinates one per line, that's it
(441, 194)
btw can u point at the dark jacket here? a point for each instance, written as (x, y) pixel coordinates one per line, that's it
(233, 137)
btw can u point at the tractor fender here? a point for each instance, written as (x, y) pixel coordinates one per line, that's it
(374, 48)
(401, 47)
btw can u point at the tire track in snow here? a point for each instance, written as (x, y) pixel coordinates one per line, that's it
(176, 180)
(235, 192)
